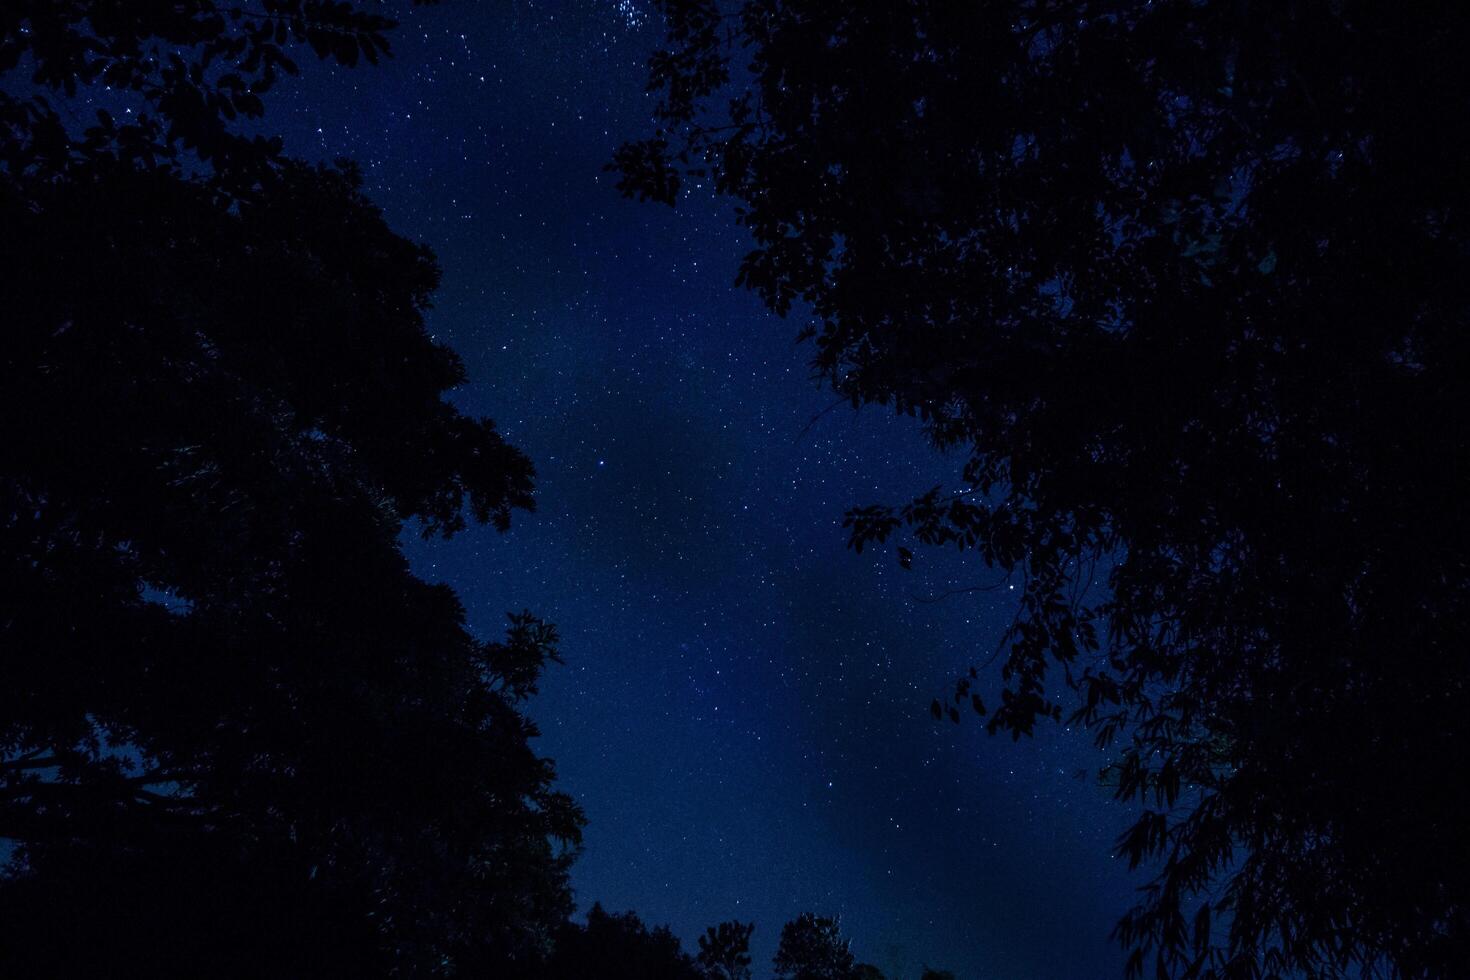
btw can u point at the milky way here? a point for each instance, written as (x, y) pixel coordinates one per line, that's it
(744, 707)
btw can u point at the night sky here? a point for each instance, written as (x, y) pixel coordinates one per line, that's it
(744, 708)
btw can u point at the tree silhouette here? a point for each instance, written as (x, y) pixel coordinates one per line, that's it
(237, 735)
(193, 68)
(812, 948)
(619, 947)
(724, 951)
(1187, 284)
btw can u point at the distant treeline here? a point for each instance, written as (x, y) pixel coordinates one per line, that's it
(621, 947)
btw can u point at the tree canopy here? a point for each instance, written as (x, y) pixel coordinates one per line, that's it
(812, 948)
(619, 947)
(238, 736)
(724, 951)
(1185, 283)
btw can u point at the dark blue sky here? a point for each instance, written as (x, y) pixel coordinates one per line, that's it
(743, 712)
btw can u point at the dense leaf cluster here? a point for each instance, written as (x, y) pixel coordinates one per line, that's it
(724, 951)
(1186, 281)
(195, 68)
(237, 735)
(812, 948)
(619, 947)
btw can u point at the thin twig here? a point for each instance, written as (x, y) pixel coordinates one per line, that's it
(816, 418)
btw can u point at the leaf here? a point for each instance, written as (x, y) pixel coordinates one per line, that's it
(1202, 927)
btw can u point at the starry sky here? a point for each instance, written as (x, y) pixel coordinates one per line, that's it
(744, 708)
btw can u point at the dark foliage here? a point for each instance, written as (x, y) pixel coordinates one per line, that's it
(237, 735)
(812, 948)
(182, 907)
(619, 947)
(1187, 282)
(724, 951)
(195, 67)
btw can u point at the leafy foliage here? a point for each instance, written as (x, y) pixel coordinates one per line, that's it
(724, 951)
(237, 735)
(812, 948)
(1187, 284)
(619, 947)
(196, 66)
